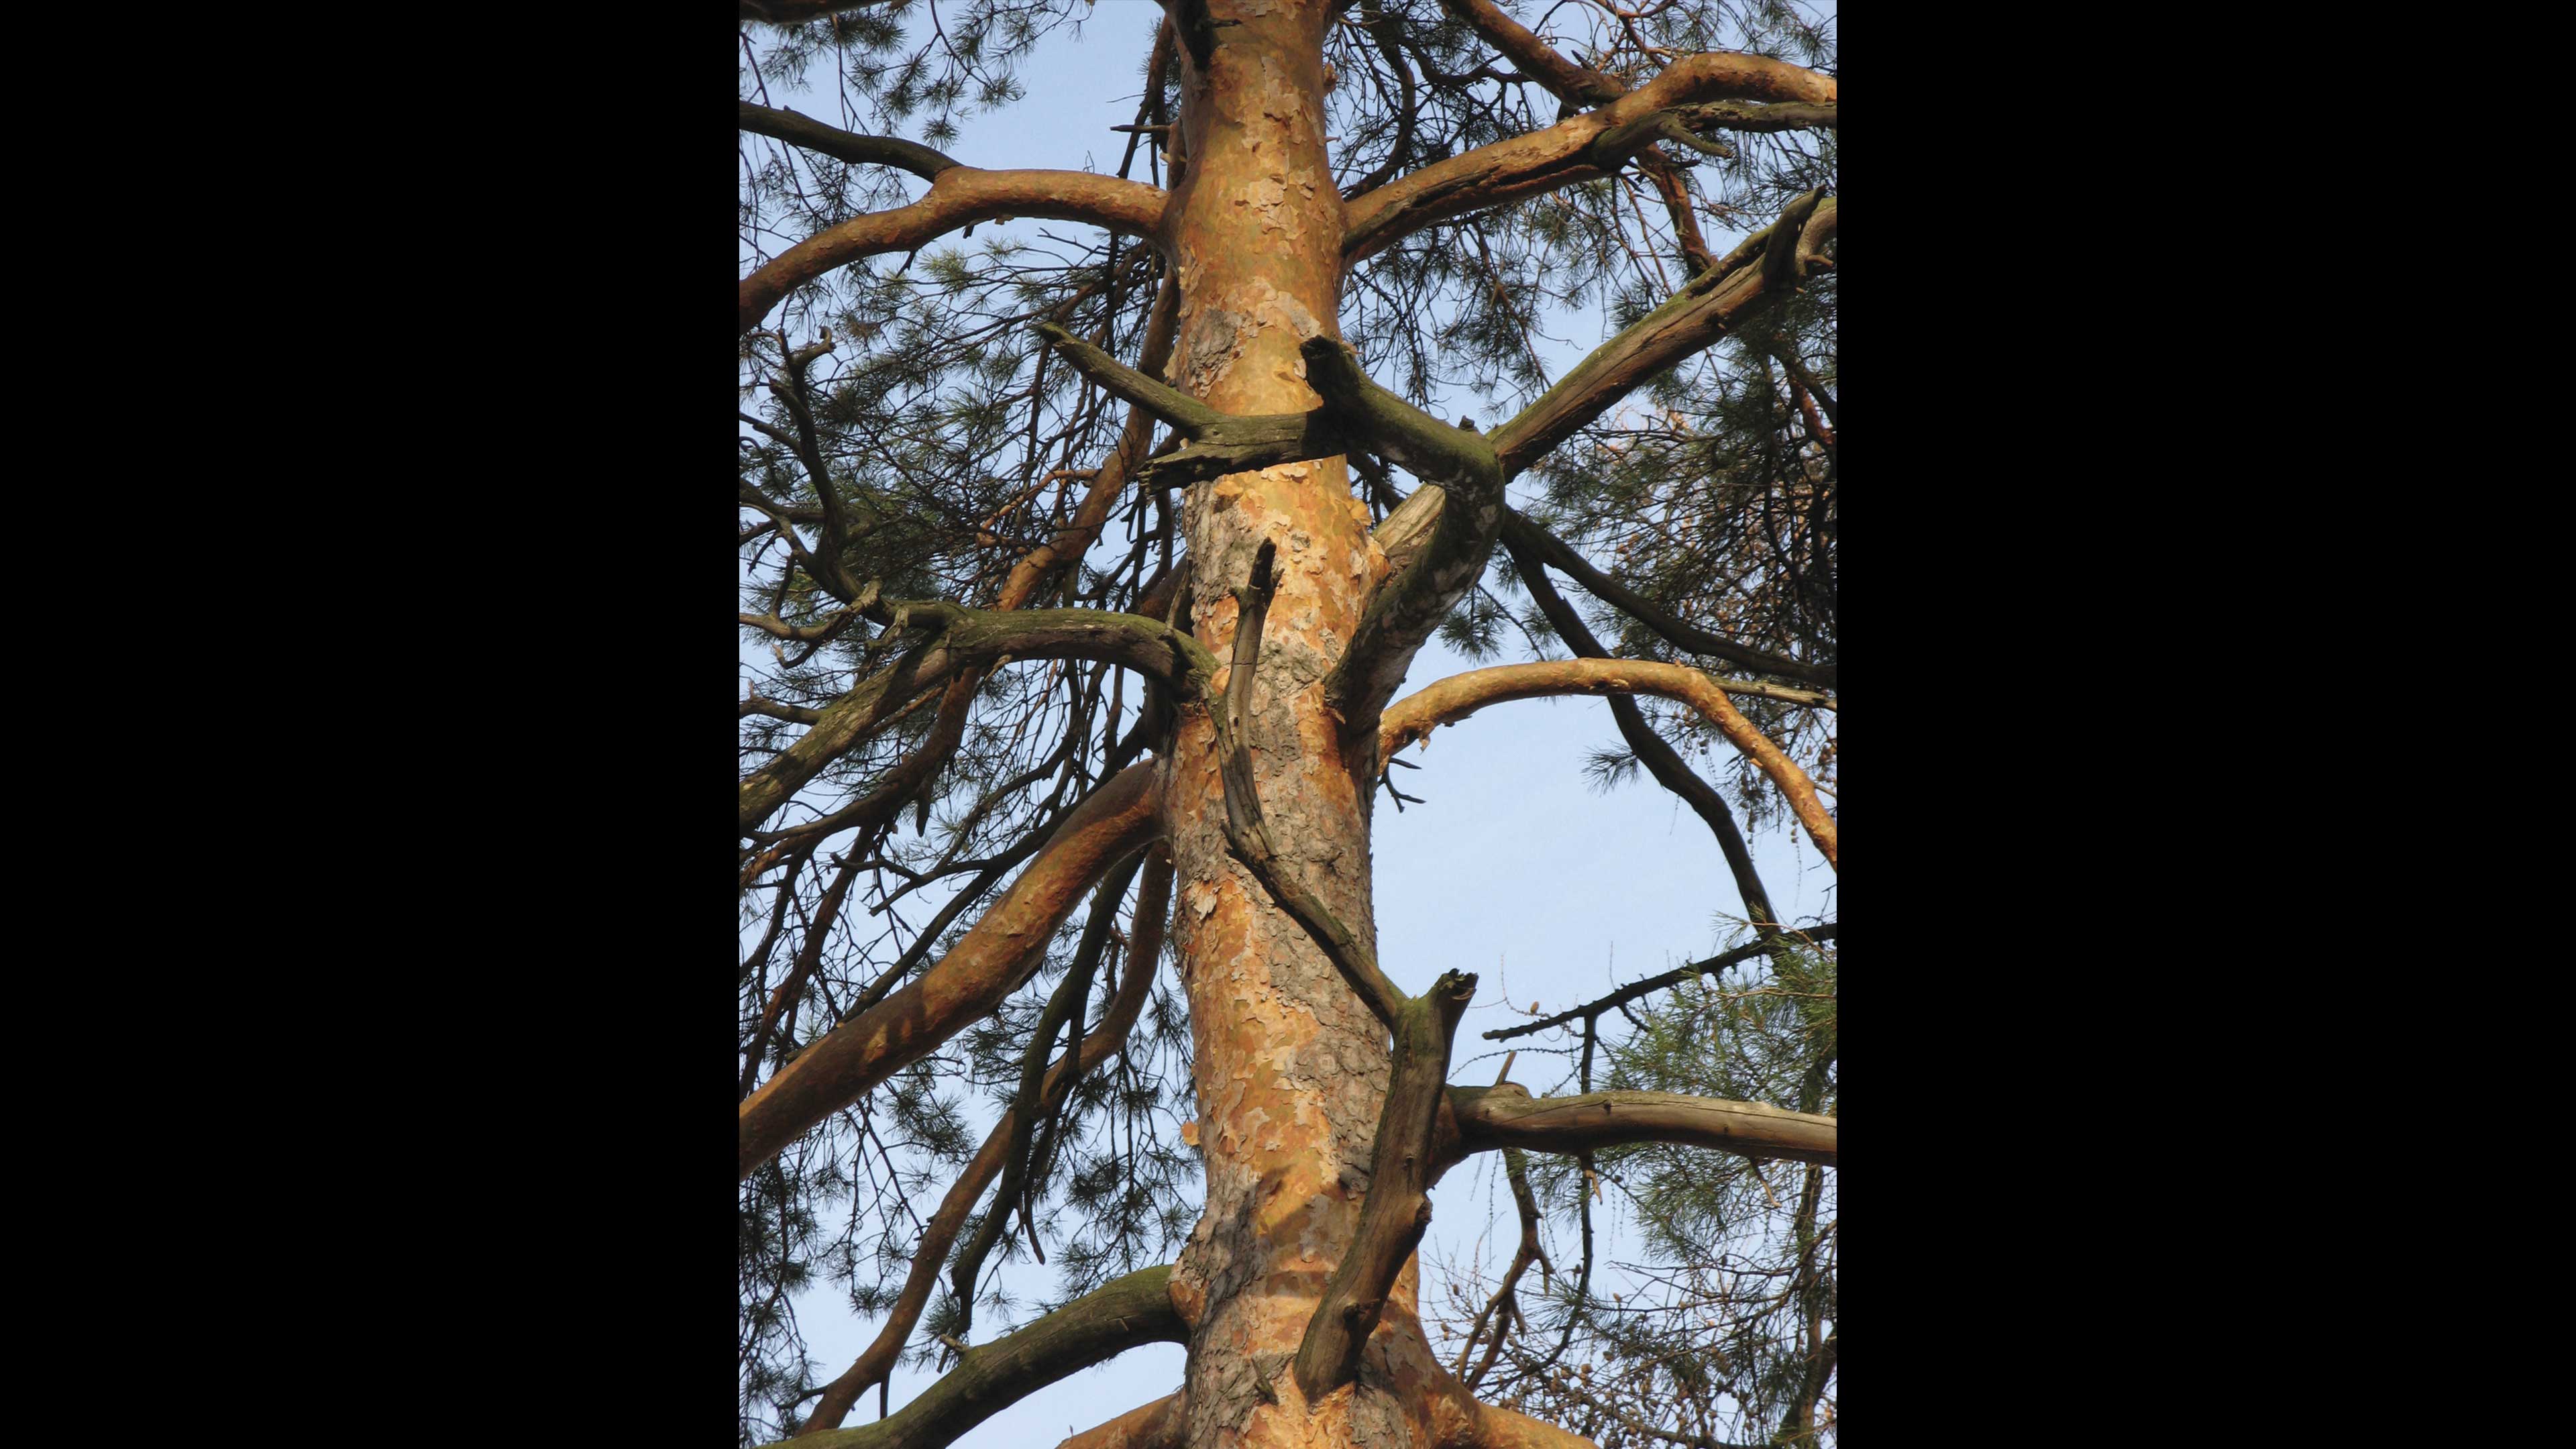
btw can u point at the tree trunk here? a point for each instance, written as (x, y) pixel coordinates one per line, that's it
(1291, 1068)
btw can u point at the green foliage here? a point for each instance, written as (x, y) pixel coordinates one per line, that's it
(954, 451)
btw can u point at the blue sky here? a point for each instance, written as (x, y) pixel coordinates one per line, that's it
(1513, 868)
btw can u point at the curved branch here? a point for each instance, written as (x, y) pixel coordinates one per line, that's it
(1004, 946)
(1660, 758)
(959, 196)
(1571, 151)
(989, 1378)
(1492, 1118)
(1460, 695)
(1447, 701)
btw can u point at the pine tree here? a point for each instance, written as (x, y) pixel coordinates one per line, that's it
(1083, 562)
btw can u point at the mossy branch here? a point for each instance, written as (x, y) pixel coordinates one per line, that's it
(1489, 1119)
(1399, 1202)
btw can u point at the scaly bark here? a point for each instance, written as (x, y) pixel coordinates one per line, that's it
(1291, 1067)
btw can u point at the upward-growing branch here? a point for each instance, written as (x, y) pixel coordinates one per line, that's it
(1399, 1202)
(1588, 146)
(1103, 1323)
(959, 196)
(1001, 951)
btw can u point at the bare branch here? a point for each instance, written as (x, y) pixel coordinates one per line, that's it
(1447, 701)
(963, 640)
(1564, 154)
(798, 129)
(1530, 543)
(990, 1377)
(1571, 83)
(1674, 977)
(1458, 696)
(959, 196)
(1659, 757)
(1491, 1118)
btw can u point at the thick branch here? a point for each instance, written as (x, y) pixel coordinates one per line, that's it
(1103, 1323)
(1501, 1428)
(1653, 984)
(1399, 1204)
(1571, 151)
(1454, 698)
(959, 196)
(1458, 538)
(988, 965)
(1459, 459)
(1706, 308)
(1162, 1424)
(1404, 609)
(1216, 443)
(1492, 1118)
(1571, 83)
(1145, 950)
(1447, 701)
(797, 129)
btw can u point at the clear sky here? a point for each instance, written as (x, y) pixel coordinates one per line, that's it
(1513, 868)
